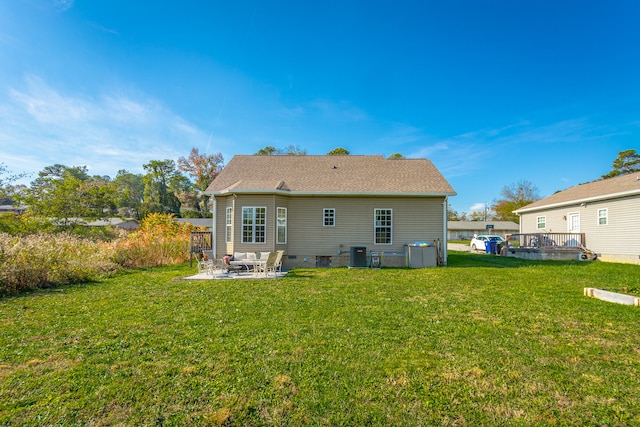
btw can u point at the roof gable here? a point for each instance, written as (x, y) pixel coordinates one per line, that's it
(610, 188)
(330, 174)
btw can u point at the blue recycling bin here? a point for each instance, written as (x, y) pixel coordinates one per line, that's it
(490, 247)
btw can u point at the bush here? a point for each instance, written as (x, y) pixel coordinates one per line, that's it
(45, 260)
(32, 261)
(161, 240)
(25, 224)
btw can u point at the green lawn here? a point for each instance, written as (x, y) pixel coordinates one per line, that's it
(485, 341)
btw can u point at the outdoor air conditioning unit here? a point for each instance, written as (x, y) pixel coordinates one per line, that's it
(358, 256)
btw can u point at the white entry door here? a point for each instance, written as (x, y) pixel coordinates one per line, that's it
(573, 220)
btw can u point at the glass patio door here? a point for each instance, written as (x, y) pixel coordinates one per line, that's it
(573, 221)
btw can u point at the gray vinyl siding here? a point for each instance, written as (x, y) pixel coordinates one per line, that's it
(413, 219)
(237, 203)
(620, 237)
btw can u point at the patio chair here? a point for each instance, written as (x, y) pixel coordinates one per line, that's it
(268, 265)
(204, 263)
(217, 268)
(278, 267)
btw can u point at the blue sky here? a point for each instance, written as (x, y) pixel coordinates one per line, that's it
(493, 92)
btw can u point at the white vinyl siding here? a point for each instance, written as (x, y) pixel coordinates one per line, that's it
(254, 224)
(603, 216)
(383, 227)
(228, 225)
(618, 240)
(281, 226)
(329, 217)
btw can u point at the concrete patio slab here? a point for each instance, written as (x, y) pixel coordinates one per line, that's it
(232, 276)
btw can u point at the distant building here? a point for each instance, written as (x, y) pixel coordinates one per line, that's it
(18, 210)
(466, 229)
(198, 222)
(125, 224)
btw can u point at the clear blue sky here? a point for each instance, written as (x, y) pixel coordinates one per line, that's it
(493, 92)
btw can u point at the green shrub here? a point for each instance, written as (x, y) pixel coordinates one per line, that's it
(26, 223)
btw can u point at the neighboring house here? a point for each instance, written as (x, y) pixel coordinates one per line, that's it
(606, 211)
(197, 222)
(17, 210)
(318, 208)
(467, 229)
(125, 224)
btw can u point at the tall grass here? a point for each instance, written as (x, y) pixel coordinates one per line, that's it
(45, 260)
(32, 261)
(161, 240)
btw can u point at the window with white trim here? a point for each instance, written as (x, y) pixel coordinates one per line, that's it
(281, 226)
(228, 229)
(382, 220)
(603, 216)
(541, 222)
(254, 224)
(329, 217)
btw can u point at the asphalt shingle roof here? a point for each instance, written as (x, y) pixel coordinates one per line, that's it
(598, 190)
(331, 174)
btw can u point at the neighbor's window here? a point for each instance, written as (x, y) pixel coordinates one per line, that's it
(254, 224)
(603, 216)
(281, 226)
(542, 222)
(228, 230)
(382, 226)
(329, 217)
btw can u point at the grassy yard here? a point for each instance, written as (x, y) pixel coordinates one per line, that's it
(485, 341)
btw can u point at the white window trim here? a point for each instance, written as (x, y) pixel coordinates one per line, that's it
(278, 225)
(538, 222)
(606, 216)
(253, 225)
(229, 225)
(324, 216)
(375, 210)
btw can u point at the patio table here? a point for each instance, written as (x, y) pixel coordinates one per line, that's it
(254, 265)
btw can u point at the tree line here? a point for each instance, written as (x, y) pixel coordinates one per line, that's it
(170, 187)
(167, 187)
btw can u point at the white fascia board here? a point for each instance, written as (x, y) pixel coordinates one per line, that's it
(328, 193)
(578, 201)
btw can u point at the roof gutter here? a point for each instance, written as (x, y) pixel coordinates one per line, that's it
(333, 194)
(577, 201)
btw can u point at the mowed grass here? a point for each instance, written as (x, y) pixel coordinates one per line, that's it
(485, 341)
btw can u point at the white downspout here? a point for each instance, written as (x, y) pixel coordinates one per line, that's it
(444, 243)
(215, 234)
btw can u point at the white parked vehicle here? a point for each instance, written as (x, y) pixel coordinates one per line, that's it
(478, 242)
